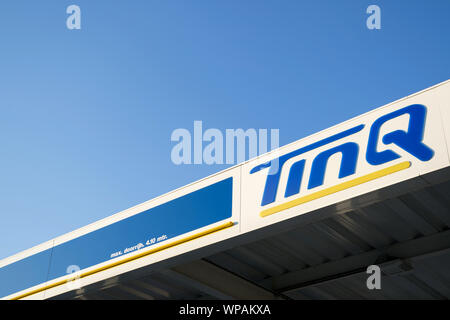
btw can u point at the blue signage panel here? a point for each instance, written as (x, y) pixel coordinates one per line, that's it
(24, 273)
(168, 220)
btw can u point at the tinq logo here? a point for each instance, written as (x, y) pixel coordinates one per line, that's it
(410, 141)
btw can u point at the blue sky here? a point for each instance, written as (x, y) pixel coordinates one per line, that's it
(87, 115)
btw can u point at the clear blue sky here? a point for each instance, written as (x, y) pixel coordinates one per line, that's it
(86, 115)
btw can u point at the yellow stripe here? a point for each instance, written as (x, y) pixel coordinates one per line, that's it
(336, 188)
(114, 264)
